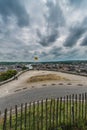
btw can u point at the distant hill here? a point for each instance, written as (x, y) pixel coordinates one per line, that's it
(49, 62)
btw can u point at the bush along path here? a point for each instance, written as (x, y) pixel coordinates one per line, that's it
(7, 75)
(63, 113)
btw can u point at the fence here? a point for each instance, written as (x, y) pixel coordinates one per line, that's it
(63, 113)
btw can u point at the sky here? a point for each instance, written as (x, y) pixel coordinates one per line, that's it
(52, 30)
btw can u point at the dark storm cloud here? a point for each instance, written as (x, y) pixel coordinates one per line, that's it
(84, 42)
(9, 8)
(84, 23)
(72, 53)
(74, 36)
(54, 19)
(43, 54)
(56, 51)
(75, 2)
(55, 16)
(48, 39)
(76, 32)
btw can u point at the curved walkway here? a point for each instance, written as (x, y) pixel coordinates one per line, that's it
(38, 94)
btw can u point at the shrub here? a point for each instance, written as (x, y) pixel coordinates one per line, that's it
(24, 68)
(8, 74)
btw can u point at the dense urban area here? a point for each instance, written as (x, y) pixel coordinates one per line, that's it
(79, 68)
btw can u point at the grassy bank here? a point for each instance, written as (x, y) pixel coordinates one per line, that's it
(46, 77)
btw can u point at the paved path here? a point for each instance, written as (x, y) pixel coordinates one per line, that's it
(38, 94)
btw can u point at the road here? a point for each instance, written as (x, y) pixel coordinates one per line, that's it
(38, 94)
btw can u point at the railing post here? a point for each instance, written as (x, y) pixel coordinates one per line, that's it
(67, 110)
(73, 109)
(38, 115)
(42, 115)
(34, 115)
(0, 115)
(30, 116)
(82, 106)
(73, 114)
(25, 115)
(76, 111)
(46, 115)
(85, 106)
(5, 119)
(10, 118)
(50, 116)
(53, 112)
(21, 117)
(70, 110)
(79, 106)
(57, 112)
(16, 114)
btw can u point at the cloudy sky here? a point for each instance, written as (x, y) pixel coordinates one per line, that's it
(50, 29)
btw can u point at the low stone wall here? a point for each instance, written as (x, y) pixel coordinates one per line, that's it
(13, 78)
(68, 72)
(74, 73)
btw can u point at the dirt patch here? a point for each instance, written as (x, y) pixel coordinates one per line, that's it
(60, 83)
(69, 84)
(25, 88)
(53, 84)
(44, 85)
(46, 77)
(17, 90)
(80, 84)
